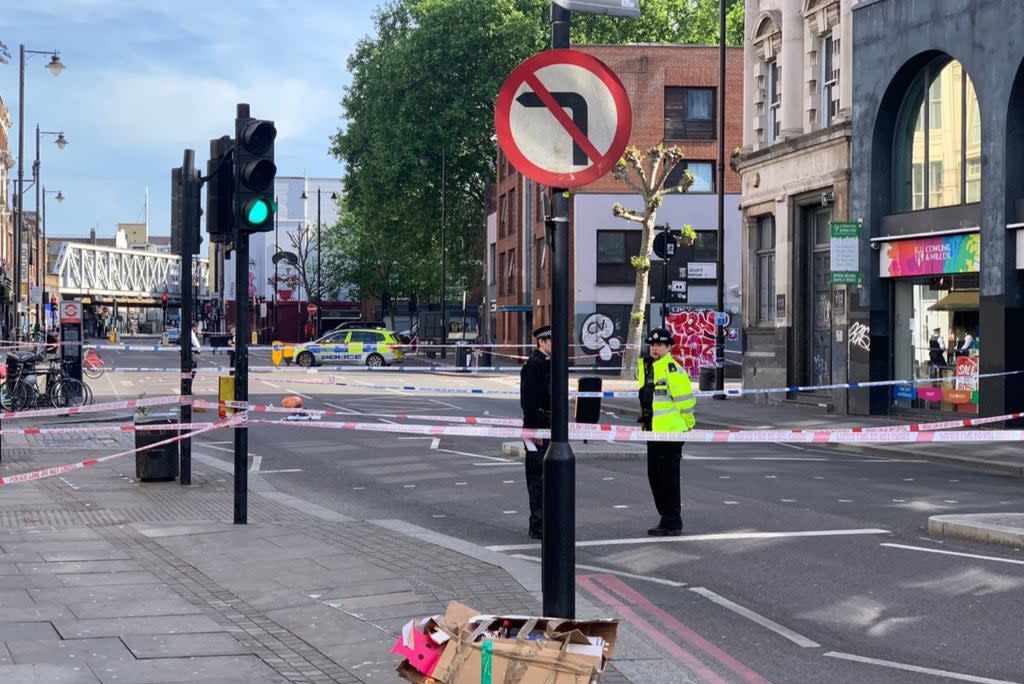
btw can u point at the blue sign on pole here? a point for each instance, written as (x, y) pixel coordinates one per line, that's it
(722, 319)
(903, 392)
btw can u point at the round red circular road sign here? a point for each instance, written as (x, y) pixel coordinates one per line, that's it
(563, 118)
(311, 308)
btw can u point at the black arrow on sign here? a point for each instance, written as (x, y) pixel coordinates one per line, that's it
(574, 102)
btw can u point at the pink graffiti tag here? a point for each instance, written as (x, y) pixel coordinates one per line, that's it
(693, 333)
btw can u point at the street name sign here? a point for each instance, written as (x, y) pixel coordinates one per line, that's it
(845, 253)
(563, 118)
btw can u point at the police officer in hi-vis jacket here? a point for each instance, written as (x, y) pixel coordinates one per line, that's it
(667, 402)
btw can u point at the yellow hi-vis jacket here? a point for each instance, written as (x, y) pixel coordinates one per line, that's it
(672, 401)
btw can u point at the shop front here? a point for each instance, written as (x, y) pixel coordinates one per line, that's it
(936, 331)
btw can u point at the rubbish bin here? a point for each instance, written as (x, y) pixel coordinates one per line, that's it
(588, 409)
(707, 378)
(462, 355)
(158, 463)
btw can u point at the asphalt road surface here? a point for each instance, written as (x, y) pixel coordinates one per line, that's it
(797, 564)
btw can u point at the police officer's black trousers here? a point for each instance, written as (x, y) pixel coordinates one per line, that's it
(663, 475)
(535, 485)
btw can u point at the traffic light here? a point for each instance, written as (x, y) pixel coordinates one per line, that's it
(254, 173)
(220, 182)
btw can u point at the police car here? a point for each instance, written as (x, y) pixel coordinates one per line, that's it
(361, 345)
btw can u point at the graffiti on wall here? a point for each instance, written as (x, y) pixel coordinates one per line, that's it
(693, 333)
(597, 336)
(860, 336)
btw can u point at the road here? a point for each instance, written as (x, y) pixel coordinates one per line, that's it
(797, 564)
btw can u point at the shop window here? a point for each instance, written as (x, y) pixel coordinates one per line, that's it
(938, 130)
(689, 113)
(764, 265)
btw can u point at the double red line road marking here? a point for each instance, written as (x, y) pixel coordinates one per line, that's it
(679, 641)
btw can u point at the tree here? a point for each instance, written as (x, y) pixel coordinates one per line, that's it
(303, 243)
(426, 83)
(644, 173)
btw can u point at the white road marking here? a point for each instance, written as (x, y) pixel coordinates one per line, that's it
(64, 480)
(620, 573)
(388, 420)
(687, 457)
(508, 482)
(224, 442)
(951, 501)
(299, 394)
(845, 500)
(220, 448)
(409, 486)
(730, 503)
(466, 453)
(451, 406)
(916, 668)
(413, 436)
(788, 500)
(771, 477)
(348, 410)
(606, 479)
(721, 536)
(439, 515)
(620, 506)
(357, 489)
(282, 470)
(482, 465)
(436, 442)
(954, 553)
(767, 623)
(257, 461)
(819, 477)
(725, 477)
(508, 512)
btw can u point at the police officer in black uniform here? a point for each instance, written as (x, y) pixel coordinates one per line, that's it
(535, 400)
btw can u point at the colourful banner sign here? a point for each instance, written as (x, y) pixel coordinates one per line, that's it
(931, 256)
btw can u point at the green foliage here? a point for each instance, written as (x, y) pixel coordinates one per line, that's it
(425, 84)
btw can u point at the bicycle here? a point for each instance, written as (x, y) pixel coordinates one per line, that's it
(92, 365)
(58, 389)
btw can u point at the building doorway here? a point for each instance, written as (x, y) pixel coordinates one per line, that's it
(817, 363)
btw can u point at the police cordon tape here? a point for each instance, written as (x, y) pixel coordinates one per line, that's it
(633, 393)
(94, 408)
(60, 470)
(346, 369)
(601, 427)
(102, 428)
(633, 435)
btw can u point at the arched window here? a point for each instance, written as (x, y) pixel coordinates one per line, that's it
(937, 142)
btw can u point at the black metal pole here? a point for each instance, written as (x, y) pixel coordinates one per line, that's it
(720, 329)
(189, 219)
(444, 257)
(277, 248)
(319, 283)
(241, 363)
(664, 284)
(558, 547)
(35, 184)
(19, 217)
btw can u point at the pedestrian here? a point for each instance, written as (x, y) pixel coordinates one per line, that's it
(936, 351)
(667, 402)
(231, 347)
(535, 400)
(197, 347)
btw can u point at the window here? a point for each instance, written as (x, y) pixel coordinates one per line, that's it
(764, 264)
(705, 247)
(703, 173)
(689, 113)
(774, 100)
(937, 131)
(503, 216)
(540, 251)
(510, 273)
(614, 249)
(491, 263)
(540, 202)
(513, 212)
(828, 56)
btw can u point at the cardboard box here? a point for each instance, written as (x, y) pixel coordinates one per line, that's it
(539, 650)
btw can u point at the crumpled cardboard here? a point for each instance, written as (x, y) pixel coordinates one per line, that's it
(559, 652)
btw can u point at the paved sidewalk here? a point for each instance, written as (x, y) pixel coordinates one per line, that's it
(106, 579)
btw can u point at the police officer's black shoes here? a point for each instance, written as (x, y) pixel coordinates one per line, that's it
(659, 531)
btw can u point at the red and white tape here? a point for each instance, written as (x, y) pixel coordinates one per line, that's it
(93, 408)
(60, 470)
(92, 429)
(629, 434)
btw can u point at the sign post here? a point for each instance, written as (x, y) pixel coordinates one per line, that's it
(845, 256)
(563, 119)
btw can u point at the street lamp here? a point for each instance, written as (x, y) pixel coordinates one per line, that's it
(319, 283)
(54, 67)
(61, 142)
(59, 196)
(424, 160)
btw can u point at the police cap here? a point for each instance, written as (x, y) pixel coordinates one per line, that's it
(660, 335)
(542, 332)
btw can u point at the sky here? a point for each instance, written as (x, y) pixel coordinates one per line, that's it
(147, 79)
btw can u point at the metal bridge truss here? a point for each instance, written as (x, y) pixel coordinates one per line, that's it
(85, 269)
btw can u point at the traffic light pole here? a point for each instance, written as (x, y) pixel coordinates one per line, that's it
(558, 546)
(241, 374)
(189, 228)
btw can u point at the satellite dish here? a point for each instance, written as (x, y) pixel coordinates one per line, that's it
(287, 257)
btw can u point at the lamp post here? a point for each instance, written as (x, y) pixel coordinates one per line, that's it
(319, 282)
(55, 67)
(444, 251)
(61, 143)
(46, 249)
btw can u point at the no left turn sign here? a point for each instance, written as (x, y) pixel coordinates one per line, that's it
(563, 118)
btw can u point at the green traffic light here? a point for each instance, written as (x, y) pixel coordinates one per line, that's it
(257, 212)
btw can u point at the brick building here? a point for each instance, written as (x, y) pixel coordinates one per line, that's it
(673, 91)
